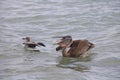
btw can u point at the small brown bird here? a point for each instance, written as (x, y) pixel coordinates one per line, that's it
(30, 44)
(73, 48)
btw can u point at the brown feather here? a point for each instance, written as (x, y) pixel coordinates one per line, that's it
(76, 47)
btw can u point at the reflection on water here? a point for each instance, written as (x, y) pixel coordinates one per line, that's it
(95, 20)
(76, 64)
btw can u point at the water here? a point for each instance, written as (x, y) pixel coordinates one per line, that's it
(95, 20)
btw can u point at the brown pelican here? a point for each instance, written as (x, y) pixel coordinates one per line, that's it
(30, 44)
(73, 48)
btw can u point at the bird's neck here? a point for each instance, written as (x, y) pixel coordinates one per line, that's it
(65, 52)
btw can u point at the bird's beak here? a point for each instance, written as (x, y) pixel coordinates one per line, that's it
(57, 42)
(63, 41)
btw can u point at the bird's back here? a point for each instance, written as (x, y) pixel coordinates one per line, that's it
(78, 47)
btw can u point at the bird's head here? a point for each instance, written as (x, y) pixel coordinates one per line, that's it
(26, 38)
(64, 41)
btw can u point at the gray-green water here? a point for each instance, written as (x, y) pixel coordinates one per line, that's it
(95, 20)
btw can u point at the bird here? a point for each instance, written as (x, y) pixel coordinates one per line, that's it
(31, 44)
(73, 48)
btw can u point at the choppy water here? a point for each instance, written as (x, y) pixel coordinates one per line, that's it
(95, 20)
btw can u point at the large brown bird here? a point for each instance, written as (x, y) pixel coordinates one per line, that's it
(30, 44)
(73, 48)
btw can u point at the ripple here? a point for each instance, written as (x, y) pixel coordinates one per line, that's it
(97, 21)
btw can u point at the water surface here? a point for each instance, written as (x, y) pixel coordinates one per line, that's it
(95, 20)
